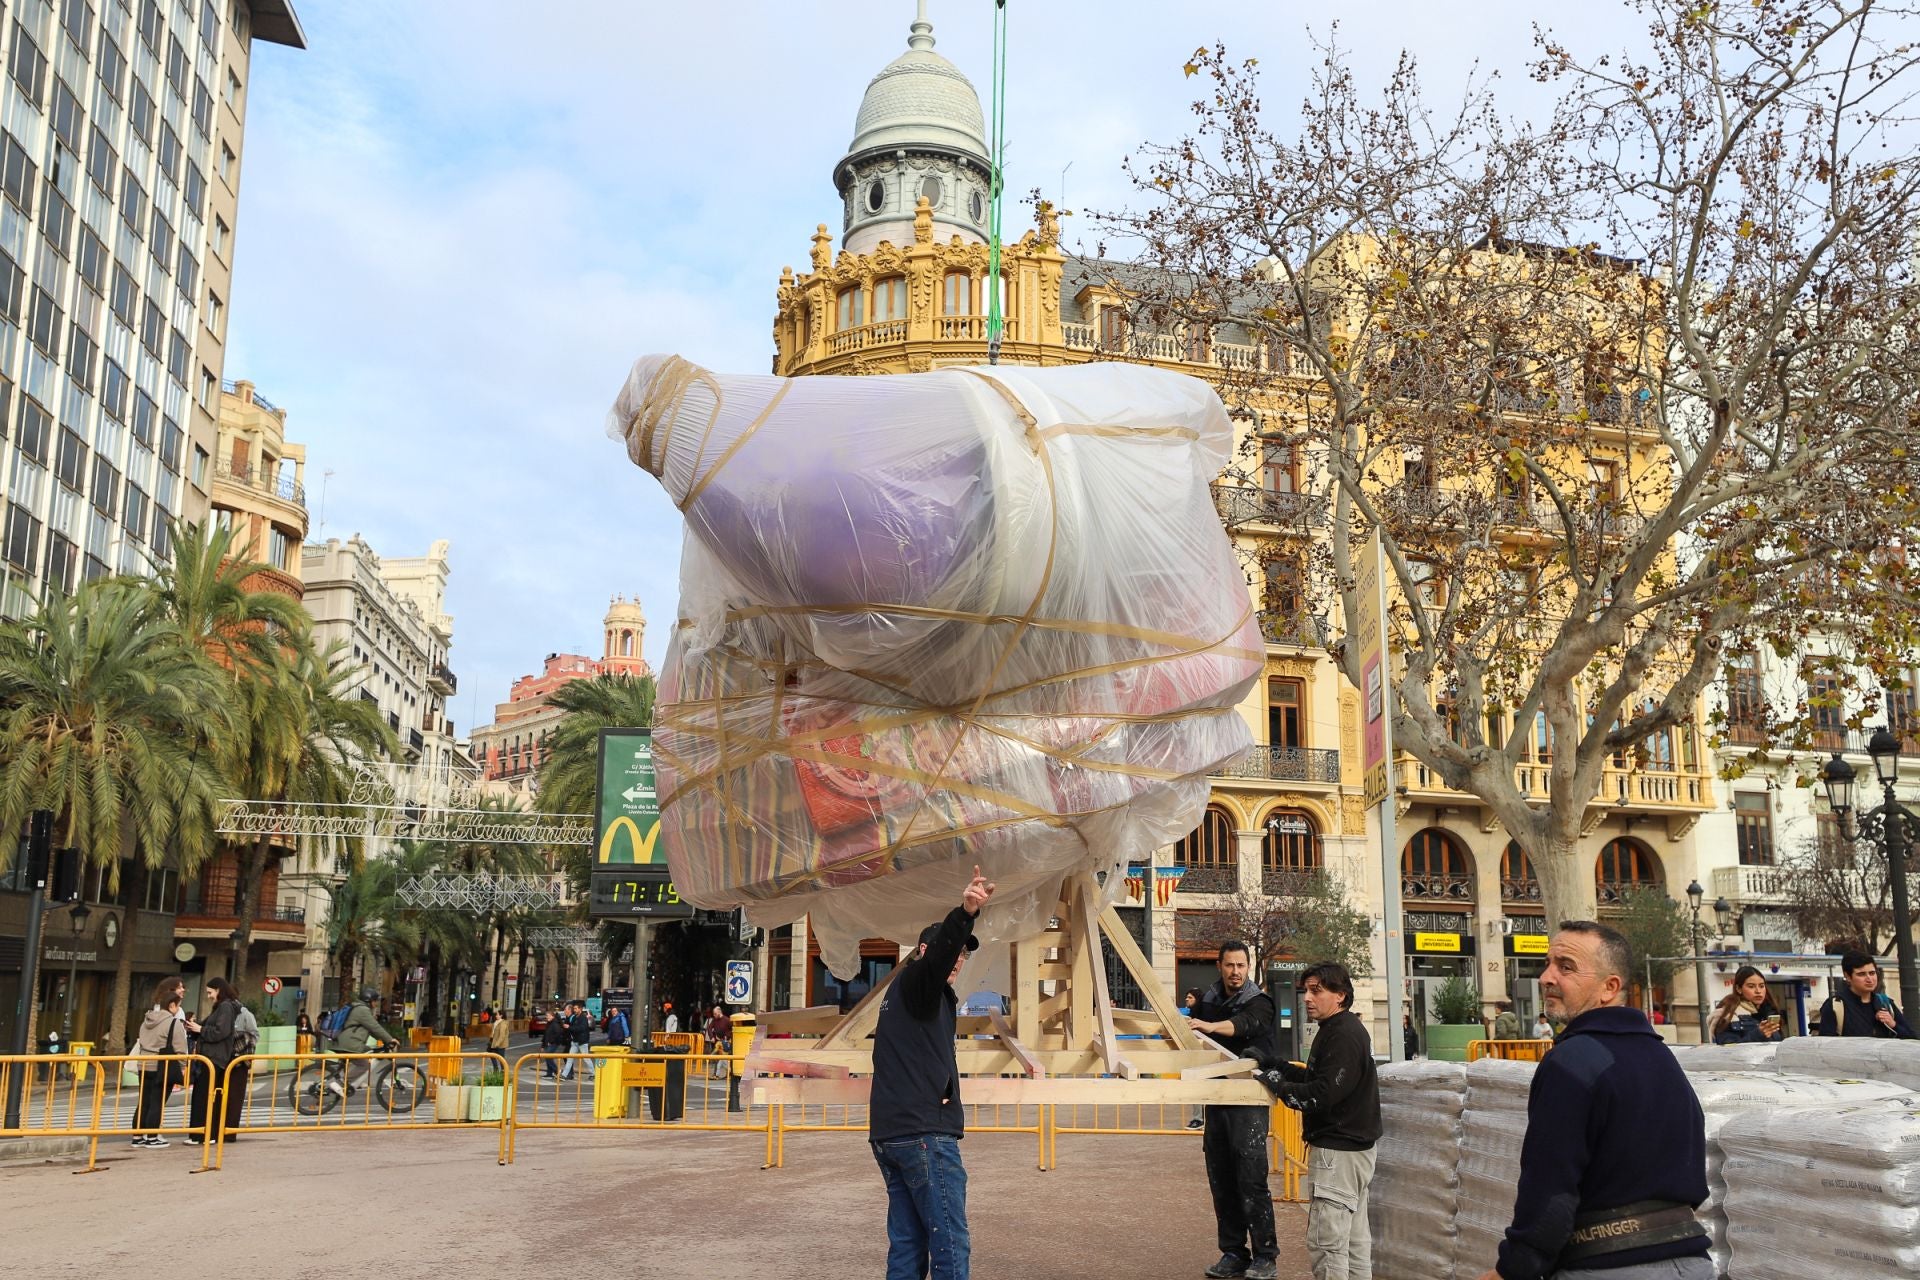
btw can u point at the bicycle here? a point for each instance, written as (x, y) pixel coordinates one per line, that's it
(320, 1086)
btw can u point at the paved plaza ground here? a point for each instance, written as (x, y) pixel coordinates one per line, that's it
(430, 1206)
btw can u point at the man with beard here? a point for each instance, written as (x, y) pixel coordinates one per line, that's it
(1238, 1014)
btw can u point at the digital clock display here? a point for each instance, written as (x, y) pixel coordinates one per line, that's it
(623, 893)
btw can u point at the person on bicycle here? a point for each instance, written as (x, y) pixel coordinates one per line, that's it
(362, 1028)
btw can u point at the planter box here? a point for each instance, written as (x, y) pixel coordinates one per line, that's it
(486, 1102)
(276, 1040)
(1447, 1042)
(450, 1102)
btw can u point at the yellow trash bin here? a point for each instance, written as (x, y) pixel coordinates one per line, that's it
(609, 1085)
(80, 1049)
(449, 1069)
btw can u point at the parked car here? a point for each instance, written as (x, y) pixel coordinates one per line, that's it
(538, 1022)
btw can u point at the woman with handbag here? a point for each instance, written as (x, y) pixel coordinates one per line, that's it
(216, 1044)
(162, 1038)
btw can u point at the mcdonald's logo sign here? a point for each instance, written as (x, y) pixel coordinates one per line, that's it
(626, 804)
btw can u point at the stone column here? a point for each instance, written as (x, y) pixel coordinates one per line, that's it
(1492, 960)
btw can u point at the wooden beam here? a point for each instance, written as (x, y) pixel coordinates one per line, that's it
(1015, 1090)
(1221, 1070)
(1097, 963)
(863, 1017)
(1128, 950)
(821, 1015)
(1002, 1029)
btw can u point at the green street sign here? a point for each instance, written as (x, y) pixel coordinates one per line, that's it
(626, 805)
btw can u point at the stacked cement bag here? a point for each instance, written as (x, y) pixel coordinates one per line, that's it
(1416, 1182)
(1492, 1128)
(1821, 1193)
(1854, 1058)
(1728, 1057)
(1726, 1096)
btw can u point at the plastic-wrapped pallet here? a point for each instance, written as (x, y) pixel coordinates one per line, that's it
(1815, 1193)
(1416, 1182)
(1492, 1128)
(1728, 1057)
(1725, 1096)
(1855, 1058)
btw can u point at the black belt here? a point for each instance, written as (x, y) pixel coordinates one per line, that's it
(1631, 1226)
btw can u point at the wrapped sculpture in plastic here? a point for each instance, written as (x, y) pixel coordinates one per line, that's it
(978, 615)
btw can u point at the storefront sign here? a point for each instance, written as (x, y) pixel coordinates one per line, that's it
(1527, 944)
(1430, 943)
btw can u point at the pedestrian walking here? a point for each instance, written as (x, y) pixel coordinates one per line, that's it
(162, 1038)
(499, 1035)
(672, 1023)
(1506, 1023)
(1337, 1095)
(579, 1029)
(1747, 1015)
(1410, 1036)
(1615, 1157)
(216, 1045)
(719, 1036)
(1863, 1009)
(915, 1122)
(1542, 1029)
(618, 1028)
(1238, 1014)
(554, 1039)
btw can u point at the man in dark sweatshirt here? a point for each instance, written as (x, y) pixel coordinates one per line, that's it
(914, 1119)
(1235, 1012)
(1614, 1162)
(1338, 1096)
(1862, 1008)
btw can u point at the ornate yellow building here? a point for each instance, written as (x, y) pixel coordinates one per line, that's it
(907, 292)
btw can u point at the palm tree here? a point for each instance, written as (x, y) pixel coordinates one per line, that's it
(571, 768)
(107, 709)
(302, 733)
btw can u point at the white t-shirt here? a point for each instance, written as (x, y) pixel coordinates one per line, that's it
(673, 1024)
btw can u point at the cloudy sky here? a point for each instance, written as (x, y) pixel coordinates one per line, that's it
(458, 229)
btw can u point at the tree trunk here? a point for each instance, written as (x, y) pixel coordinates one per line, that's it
(247, 902)
(122, 1005)
(1566, 877)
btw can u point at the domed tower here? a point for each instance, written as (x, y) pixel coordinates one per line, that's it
(626, 631)
(920, 132)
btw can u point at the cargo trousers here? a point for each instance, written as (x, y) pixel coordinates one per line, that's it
(1339, 1241)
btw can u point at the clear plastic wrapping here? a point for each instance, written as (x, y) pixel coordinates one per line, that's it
(978, 615)
(1416, 1182)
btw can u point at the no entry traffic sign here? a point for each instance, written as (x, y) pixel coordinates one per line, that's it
(272, 986)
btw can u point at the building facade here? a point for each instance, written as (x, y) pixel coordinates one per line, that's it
(907, 291)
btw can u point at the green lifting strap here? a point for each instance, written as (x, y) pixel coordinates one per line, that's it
(995, 321)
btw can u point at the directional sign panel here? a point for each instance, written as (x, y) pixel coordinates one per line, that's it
(739, 982)
(626, 806)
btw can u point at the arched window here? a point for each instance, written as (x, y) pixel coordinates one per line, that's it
(1209, 845)
(957, 296)
(1517, 881)
(1289, 844)
(890, 299)
(851, 310)
(1625, 864)
(1434, 866)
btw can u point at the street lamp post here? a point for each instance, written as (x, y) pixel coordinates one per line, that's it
(79, 913)
(1897, 827)
(1694, 896)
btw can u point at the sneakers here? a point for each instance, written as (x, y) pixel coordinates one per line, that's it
(1230, 1266)
(1196, 1123)
(151, 1140)
(194, 1142)
(1268, 1270)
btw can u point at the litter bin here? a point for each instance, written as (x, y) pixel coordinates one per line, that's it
(609, 1085)
(80, 1049)
(666, 1090)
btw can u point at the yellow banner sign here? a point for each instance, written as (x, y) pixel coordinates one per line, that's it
(1436, 942)
(1529, 944)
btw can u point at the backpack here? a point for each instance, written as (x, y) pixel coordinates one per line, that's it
(246, 1032)
(332, 1024)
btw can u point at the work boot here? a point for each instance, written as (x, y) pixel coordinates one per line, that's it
(1230, 1266)
(1259, 1270)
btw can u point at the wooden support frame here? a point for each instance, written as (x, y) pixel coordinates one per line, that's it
(1064, 1042)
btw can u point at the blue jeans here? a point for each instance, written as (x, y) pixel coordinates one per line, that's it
(926, 1207)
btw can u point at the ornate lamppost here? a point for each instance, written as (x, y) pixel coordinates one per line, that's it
(1896, 827)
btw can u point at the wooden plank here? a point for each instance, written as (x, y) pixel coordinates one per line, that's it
(1128, 950)
(1083, 1026)
(1005, 1031)
(863, 1017)
(800, 1067)
(1015, 1091)
(1026, 991)
(1221, 1070)
(822, 1016)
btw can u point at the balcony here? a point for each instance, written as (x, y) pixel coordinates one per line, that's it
(1520, 891)
(416, 741)
(1751, 886)
(1240, 505)
(1286, 764)
(200, 915)
(1431, 889)
(1209, 880)
(1666, 790)
(442, 680)
(259, 480)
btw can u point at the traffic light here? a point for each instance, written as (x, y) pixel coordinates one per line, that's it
(39, 847)
(66, 876)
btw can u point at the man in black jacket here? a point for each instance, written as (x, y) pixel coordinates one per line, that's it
(1863, 1009)
(1614, 1162)
(914, 1120)
(1238, 1014)
(1338, 1096)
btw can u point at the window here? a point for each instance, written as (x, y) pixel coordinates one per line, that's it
(279, 548)
(140, 112)
(890, 299)
(195, 190)
(876, 197)
(177, 66)
(215, 309)
(233, 89)
(200, 461)
(170, 152)
(1825, 707)
(112, 67)
(1199, 344)
(67, 116)
(23, 538)
(113, 391)
(135, 513)
(56, 219)
(1290, 843)
(1433, 865)
(43, 323)
(930, 187)
(1209, 845)
(220, 233)
(1746, 700)
(209, 390)
(36, 429)
(60, 564)
(956, 294)
(77, 17)
(13, 283)
(133, 202)
(1113, 327)
(1417, 473)
(228, 162)
(177, 356)
(1286, 711)
(70, 461)
(106, 485)
(850, 309)
(1283, 604)
(28, 65)
(6, 407)
(153, 329)
(124, 296)
(171, 438)
(16, 175)
(209, 27)
(1279, 468)
(150, 25)
(1603, 477)
(189, 272)
(144, 412)
(202, 107)
(1622, 865)
(1753, 821)
(162, 240)
(977, 206)
(1518, 883)
(81, 349)
(102, 162)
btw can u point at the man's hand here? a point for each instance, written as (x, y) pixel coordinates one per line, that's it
(978, 891)
(1212, 1028)
(1886, 1018)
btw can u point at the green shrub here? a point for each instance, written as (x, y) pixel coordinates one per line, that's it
(1456, 1002)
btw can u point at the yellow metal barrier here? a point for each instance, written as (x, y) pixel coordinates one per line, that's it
(852, 1118)
(363, 1092)
(700, 1103)
(1510, 1050)
(108, 1103)
(1287, 1153)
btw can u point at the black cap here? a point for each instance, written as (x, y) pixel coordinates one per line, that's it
(928, 934)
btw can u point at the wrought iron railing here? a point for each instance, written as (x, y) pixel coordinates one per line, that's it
(1436, 888)
(1209, 880)
(1286, 764)
(260, 480)
(1242, 504)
